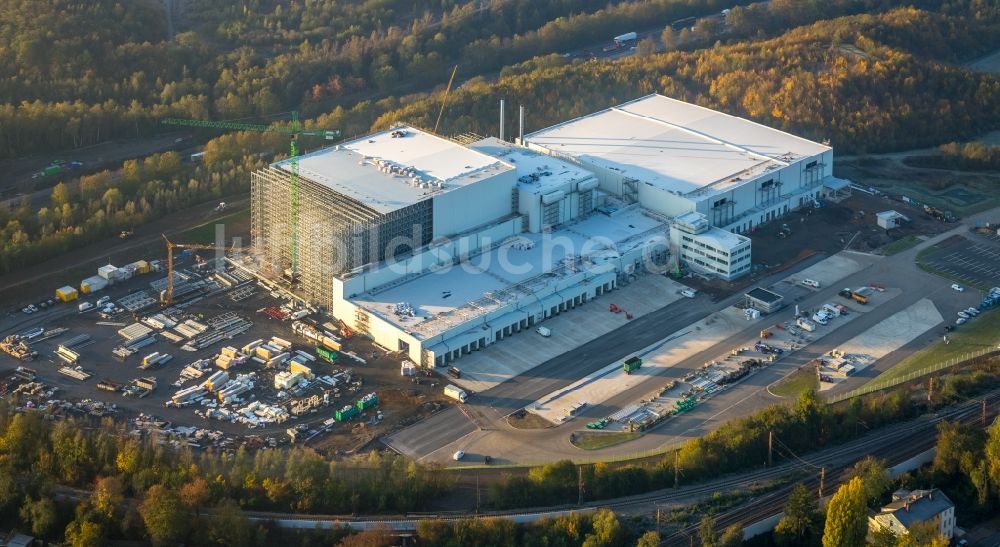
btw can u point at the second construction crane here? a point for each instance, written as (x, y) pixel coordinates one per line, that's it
(294, 130)
(167, 296)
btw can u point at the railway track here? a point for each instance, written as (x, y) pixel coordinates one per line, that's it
(919, 436)
(892, 443)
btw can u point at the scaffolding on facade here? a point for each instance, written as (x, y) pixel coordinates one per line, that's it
(336, 233)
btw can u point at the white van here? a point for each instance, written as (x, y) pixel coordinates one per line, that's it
(544, 331)
(85, 306)
(690, 293)
(103, 300)
(810, 283)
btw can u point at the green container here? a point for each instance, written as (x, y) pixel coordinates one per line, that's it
(685, 405)
(632, 363)
(327, 355)
(345, 413)
(367, 402)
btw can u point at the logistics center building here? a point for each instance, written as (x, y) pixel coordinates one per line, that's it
(437, 248)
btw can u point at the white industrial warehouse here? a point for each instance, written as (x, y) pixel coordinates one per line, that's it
(437, 248)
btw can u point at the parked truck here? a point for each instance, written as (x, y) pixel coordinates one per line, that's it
(456, 393)
(622, 40)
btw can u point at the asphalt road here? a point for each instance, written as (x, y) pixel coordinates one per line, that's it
(479, 428)
(486, 410)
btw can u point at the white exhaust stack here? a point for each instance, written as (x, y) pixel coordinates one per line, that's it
(521, 128)
(501, 119)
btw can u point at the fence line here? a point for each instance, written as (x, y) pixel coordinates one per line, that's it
(877, 385)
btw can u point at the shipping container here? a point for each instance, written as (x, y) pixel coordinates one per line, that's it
(330, 343)
(139, 266)
(346, 413)
(67, 293)
(632, 364)
(108, 272)
(326, 355)
(93, 284)
(368, 401)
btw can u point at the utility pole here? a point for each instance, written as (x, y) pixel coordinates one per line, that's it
(983, 416)
(770, 448)
(930, 389)
(579, 481)
(677, 469)
(657, 519)
(822, 478)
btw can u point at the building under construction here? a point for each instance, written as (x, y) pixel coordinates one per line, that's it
(436, 248)
(356, 206)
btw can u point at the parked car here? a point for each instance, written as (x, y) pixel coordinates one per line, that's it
(972, 311)
(957, 287)
(963, 315)
(960, 321)
(458, 455)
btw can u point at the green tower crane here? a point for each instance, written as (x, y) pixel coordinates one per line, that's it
(293, 130)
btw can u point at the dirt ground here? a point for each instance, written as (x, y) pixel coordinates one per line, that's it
(963, 192)
(403, 400)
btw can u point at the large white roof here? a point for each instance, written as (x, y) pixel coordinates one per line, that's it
(537, 173)
(531, 262)
(674, 145)
(396, 168)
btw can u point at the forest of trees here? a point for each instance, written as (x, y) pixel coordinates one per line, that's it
(864, 82)
(63, 88)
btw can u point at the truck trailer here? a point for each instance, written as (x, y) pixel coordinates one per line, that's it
(456, 393)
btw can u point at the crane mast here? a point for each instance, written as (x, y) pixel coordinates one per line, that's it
(294, 130)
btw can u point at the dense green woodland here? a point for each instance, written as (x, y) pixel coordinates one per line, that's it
(864, 82)
(69, 77)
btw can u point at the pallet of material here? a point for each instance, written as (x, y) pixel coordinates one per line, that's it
(195, 326)
(172, 336)
(67, 355)
(186, 331)
(134, 332)
(75, 373)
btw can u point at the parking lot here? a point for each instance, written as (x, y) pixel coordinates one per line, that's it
(974, 262)
(497, 363)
